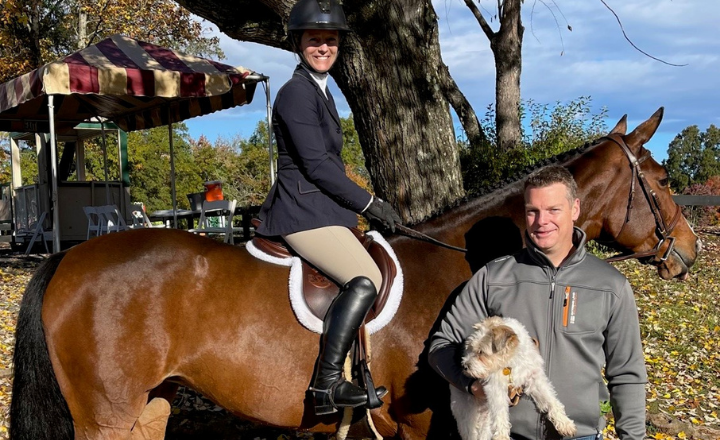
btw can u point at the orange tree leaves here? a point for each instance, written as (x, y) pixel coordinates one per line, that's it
(160, 22)
(34, 32)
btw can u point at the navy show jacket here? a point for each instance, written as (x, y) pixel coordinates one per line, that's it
(312, 189)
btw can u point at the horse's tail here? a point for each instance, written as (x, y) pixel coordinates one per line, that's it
(38, 410)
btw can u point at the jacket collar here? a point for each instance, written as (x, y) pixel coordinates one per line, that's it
(329, 101)
(577, 255)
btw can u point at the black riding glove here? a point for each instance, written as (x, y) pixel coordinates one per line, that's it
(381, 212)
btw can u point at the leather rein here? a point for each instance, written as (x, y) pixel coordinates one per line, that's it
(408, 232)
(662, 229)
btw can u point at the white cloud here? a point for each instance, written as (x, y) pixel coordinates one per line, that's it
(596, 61)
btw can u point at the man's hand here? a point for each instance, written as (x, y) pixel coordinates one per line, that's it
(514, 393)
(478, 391)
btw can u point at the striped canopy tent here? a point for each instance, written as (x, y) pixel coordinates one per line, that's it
(135, 84)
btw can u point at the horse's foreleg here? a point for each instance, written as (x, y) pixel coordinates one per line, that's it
(149, 425)
(153, 421)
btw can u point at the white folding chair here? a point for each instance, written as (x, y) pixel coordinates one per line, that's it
(139, 218)
(224, 210)
(114, 222)
(96, 221)
(39, 232)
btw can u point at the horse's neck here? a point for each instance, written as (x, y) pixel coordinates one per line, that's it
(452, 225)
(504, 207)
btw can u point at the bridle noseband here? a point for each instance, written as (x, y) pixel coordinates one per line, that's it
(662, 229)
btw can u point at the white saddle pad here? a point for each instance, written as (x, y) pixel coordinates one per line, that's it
(300, 308)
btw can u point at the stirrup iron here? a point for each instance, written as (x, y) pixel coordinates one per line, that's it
(324, 401)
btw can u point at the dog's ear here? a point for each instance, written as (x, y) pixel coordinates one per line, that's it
(504, 338)
(493, 321)
(484, 345)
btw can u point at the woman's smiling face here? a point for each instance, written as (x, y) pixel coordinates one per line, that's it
(319, 48)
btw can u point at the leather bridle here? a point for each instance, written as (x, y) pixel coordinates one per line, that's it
(662, 229)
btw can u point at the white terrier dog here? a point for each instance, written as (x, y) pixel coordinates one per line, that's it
(503, 357)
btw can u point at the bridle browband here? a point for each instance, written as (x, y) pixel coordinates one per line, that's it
(662, 229)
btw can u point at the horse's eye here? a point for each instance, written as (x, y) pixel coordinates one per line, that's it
(664, 182)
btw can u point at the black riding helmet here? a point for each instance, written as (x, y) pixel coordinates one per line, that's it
(317, 14)
(314, 14)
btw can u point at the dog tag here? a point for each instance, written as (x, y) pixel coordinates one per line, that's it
(507, 371)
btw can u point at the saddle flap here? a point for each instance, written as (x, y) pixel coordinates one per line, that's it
(319, 291)
(388, 271)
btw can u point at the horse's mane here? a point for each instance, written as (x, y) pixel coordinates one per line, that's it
(505, 184)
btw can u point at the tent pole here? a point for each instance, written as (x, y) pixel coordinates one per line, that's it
(172, 171)
(54, 177)
(270, 131)
(105, 166)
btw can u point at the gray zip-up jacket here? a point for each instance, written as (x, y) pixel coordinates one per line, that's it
(584, 316)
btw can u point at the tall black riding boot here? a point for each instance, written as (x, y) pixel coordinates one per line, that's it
(342, 321)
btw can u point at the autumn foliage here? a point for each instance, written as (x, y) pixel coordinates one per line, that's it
(703, 215)
(35, 32)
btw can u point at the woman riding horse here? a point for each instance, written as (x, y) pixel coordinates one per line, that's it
(313, 203)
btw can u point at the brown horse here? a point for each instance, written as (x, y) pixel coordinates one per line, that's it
(125, 317)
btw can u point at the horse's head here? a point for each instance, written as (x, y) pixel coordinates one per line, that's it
(634, 211)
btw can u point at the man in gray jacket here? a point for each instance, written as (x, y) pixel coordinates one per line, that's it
(579, 308)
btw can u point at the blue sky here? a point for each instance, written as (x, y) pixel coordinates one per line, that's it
(592, 60)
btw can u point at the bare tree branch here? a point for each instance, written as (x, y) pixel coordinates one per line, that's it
(489, 33)
(557, 24)
(259, 21)
(463, 109)
(94, 35)
(633, 44)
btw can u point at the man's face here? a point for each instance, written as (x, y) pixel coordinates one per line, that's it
(550, 217)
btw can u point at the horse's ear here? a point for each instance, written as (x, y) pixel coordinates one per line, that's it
(621, 127)
(644, 131)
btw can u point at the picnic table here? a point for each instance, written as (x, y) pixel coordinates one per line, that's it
(188, 216)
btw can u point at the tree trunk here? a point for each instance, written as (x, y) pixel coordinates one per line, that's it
(391, 73)
(506, 45)
(82, 29)
(34, 32)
